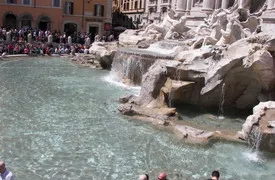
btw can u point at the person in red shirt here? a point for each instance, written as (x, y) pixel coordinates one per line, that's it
(26, 51)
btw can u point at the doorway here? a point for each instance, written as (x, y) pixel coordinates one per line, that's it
(70, 29)
(93, 31)
(44, 23)
(26, 21)
(10, 21)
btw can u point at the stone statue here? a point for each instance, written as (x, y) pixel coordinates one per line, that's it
(97, 38)
(211, 19)
(177, 28)
(163, 27)
(69, 40)
(215, 34)
(227, 35)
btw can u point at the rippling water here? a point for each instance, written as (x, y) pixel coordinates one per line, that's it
(59, 121)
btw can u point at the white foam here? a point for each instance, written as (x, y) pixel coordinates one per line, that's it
(112, 79)
(253, 156)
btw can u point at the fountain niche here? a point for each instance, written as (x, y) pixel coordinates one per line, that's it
(224, 62)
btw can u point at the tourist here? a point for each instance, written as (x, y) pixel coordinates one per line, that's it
(215, 175)
(162, 176)
(143, 177)
(5, 174)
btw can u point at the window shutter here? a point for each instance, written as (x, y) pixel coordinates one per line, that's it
(95, 9)
(72, 8)
(65, 8)
(102, 10)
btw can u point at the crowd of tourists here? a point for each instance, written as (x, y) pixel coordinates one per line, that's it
(36, 42)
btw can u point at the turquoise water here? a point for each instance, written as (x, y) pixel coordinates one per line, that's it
(60, 121)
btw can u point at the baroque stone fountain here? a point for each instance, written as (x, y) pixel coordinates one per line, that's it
(229, 53)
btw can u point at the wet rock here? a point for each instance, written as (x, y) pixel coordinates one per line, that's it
(104, 53)
(257, 129)
(126, 109)
(152, 82)
(192, 134)
(127, 99)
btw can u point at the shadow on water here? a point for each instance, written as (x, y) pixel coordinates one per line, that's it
(208, 118)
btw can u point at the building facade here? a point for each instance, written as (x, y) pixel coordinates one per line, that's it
(93, 16)
(196, 10)
(134, 9)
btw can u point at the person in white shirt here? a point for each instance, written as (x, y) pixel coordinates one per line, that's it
(5, 174)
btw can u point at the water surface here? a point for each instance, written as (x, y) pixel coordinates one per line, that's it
(59, 121)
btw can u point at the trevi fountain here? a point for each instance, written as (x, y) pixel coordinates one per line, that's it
(186, 96)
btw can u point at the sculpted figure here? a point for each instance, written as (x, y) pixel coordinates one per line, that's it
(97, 38)
(163, 27)
(211, 19)
(177, 28)
(227, 35)
(216, 34)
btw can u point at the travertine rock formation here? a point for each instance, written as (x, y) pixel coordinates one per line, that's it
(228, 55)
(258, 128)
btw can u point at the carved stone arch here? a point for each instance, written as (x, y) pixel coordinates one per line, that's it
(10, 20)
(44, 22)
(26, 20)
(71, 28)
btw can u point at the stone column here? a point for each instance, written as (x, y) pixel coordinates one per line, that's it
(181, 6)
(218, 4)
(188, 6)
(208, 5)
(270, 4)
(244, 4)
(225, 4)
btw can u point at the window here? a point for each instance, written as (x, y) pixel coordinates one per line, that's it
(164, 1)
(99, 10)
(11, 2)
(69, 8)
(56, 3)
(136, 5)
(152, 2)
(26, 2)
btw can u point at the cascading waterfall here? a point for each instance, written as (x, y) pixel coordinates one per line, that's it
(255, 138)
(221, 106)
(178, 75)
(170, 99)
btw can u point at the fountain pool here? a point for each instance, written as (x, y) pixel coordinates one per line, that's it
(60, 121)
